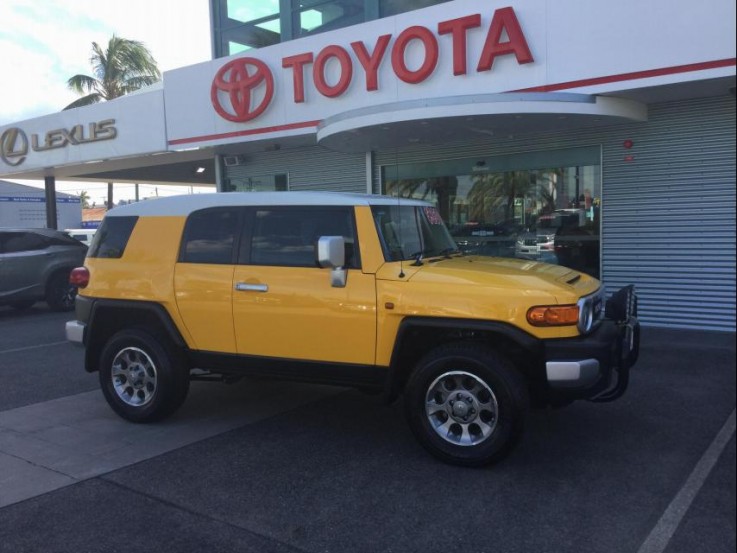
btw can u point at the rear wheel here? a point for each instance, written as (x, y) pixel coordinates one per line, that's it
(466, 404)
(60, 295)
(142, 378)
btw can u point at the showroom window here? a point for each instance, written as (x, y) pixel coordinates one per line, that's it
(543, 206)
(310, 17)
(239, 25)
(278, 182)
(394, 7)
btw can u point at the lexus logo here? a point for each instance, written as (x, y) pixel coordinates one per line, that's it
(242, 89)
(13, 146)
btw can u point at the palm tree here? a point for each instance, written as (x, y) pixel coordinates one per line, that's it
(125, 66)
(84, 197)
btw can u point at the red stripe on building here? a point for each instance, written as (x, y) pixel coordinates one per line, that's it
(248, 132)
(632, 76)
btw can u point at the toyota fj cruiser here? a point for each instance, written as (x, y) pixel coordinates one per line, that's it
(351, 290)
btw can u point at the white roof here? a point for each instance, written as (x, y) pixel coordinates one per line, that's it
(184, 205)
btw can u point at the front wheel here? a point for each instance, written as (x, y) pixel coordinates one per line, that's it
(465, 403)
(142, 378)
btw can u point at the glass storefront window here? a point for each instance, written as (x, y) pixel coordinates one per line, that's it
(394, 7)
(316, 16)
(247, 24)
(549, 214)
(261, 183)
(239, 25)
(251, 10)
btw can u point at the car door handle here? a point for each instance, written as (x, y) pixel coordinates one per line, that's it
(243, 287)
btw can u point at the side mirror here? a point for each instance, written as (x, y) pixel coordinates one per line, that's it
(331, 253)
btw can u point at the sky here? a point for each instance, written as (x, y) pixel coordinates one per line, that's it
(45, 42)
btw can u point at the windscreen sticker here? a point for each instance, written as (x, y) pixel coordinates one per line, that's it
(433, 216)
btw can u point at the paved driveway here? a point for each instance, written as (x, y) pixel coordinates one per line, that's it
(260, 466)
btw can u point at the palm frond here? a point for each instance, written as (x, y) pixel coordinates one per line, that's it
(123, 67)
(85, 101)
(82, 84)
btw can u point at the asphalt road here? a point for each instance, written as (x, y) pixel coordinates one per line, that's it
(262, 466)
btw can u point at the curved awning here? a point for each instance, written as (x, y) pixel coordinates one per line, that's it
(441, 120)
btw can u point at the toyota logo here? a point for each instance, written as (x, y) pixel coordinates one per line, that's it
(13, 146)
(239, 81)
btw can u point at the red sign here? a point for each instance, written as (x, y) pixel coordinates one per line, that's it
(235, 79)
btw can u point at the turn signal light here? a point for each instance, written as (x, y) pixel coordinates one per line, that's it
(79, 277)
(553, 315)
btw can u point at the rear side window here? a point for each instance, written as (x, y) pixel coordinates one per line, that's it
(286, 236)
(210, 236)
(13, 242)
(112, 237)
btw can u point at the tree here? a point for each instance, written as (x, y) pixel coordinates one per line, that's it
(126, 65)
(84, 197)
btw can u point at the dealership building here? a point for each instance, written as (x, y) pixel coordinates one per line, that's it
(598, 135)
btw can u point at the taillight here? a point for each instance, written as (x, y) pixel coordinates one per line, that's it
(79, 277)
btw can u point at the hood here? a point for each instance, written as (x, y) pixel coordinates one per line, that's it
(501, 273)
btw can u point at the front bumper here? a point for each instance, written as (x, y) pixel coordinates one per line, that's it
(596, 366)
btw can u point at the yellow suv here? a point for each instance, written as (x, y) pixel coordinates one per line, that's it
(352, 290)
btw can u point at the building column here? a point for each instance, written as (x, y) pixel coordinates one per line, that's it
(50, 189)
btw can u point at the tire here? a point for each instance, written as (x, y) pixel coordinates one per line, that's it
(142, 377)
(60, 295)
(466, 404)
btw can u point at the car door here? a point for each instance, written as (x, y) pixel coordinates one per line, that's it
(22, 259)
(203, 277)
(284, 305)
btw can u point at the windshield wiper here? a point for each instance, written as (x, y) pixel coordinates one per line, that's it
(445, 253)
(418, 257)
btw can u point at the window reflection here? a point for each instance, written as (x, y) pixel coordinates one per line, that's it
(394, 7)
(251, 10)
(317, 16)
(550, 215)
(240, 25)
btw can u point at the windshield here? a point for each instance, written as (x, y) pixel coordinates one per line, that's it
(408, 232)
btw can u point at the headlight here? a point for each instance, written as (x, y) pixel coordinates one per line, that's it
(591, 311)
(553, 315)
(586, 314)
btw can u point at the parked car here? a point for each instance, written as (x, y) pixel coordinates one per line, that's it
(35, 265)
(495, 239)
(536, 244)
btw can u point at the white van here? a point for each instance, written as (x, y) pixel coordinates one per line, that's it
(84, 235)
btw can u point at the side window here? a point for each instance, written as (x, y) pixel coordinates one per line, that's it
(112, 237)
(210, 236)
(14, 242)
(287, 236)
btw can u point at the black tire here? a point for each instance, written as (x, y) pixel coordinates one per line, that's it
(142, 377)
(60, 295)
(466, 404)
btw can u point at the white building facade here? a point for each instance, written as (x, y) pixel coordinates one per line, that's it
(597, 135)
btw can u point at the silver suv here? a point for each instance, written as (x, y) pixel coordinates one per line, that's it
(35, 265)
